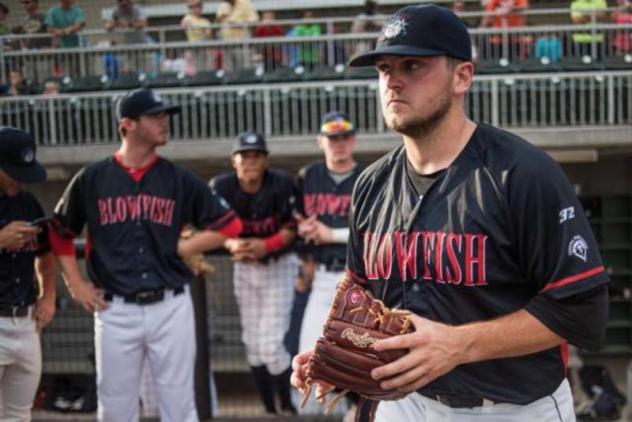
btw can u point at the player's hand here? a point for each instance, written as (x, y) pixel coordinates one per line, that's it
(318, 234)
(254, 248)
(44, 311)
(298, 378)
(89, 296)
(16, 234)
(313, 230)
(434, 351)
(239, 250)
(304, 224)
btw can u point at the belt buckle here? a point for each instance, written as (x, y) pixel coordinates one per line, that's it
(148, 296)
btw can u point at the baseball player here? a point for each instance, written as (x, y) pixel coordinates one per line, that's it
(325, 195)
(478, 234)
(264, 271)
(134, 205)
(25, 307)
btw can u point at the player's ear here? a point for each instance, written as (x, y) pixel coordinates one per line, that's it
(319, 141)
(462, 77)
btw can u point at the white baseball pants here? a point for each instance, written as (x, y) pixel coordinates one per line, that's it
(316, 311)
(163, 333)
(557, 407)
(20, 367)
(264, 293)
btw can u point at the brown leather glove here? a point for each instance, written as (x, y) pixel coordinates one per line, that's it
(343, 356)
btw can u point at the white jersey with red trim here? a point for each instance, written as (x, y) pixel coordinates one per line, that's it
(499, 228)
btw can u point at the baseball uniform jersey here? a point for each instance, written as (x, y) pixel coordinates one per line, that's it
(499, 230)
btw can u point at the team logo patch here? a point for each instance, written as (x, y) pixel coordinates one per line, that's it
(393, 29)
(355, 297)
(578, 247)
(156, 97)
(251, 139)
(28, 155)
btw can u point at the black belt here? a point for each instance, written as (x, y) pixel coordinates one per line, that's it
(145, 297)
(14, 311)
(458, 402)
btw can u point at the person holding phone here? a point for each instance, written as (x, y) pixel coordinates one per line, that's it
(26, 307)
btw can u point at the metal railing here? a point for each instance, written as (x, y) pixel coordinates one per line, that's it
(294, 109)
(150, 60)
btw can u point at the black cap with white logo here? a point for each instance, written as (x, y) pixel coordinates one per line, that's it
(17, 156)
(424, 30)
(143, 101)
(250, 141)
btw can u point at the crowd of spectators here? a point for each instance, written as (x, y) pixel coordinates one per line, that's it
(238, 20)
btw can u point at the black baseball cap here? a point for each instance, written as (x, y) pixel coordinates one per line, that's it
(250, 141)
(17, 156)
(424, 30)
(336, 123)
(142, 101)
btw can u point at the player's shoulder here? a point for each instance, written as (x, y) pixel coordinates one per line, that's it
(504, 152)
(312, 168)
(223, 180)
(376, 172)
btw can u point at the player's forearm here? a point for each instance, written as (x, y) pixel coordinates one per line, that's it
(45, 272)
(516, 334)
(70, 270)
(200, 242)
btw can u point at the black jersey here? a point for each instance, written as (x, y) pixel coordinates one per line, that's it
(134, 226)
(18, 286)
(320, 195)
(263, 213)
(500, 226)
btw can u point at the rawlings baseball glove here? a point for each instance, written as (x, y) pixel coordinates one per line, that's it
(343, 356)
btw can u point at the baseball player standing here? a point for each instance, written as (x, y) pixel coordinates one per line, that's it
(476, 232)
(264, 271)
(25, 307)
(134, 205)
(324, 197)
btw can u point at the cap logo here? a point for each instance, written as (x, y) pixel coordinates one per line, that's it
(156, 97)
(251, 139)
(393, 29)
(28, 155)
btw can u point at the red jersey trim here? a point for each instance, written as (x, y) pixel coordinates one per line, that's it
(136, 174)
(223, 221)
(61, 246)
(564, 353)
(573, 279)
(355, 277)
(232, 229)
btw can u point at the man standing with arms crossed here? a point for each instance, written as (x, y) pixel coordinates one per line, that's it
(134, 205)
(25, 257)
(324, 197)
(478, 234)
(264, 270)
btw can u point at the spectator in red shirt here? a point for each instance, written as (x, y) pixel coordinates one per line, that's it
(271, 55)
(505, 14)
(622, 39)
